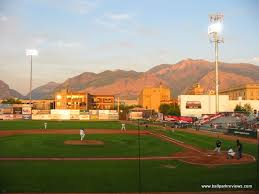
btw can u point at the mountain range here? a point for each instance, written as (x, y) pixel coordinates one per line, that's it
(128, 84)
(7, 92)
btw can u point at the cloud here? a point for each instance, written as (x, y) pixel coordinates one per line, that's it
(147, 31)
(83, 6)
(118, 16)
(45, 43)
(65, 44)
(115, 21)
(3, 18)
(253, 60)
(114, 46)
(105, 23)
(39, 40)
(74, 6)
(126, 44)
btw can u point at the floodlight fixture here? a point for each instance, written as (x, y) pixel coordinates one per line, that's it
(58, 97)
(215, 28)
(32, 52)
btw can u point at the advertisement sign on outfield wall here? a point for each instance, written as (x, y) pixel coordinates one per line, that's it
(136, 115)
(84, 112)
(17, 116)
(26, 117)
(40, 112)
(55, 117)
(17, 110)
(41, 117)
(238, 132)
(74, 117)
(6, 117)
(104, 117)
(26, 110)
(7, 111)
(84, 117)
(93, 112)
(60, 112)
(74, 112)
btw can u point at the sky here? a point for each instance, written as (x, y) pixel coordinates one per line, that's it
(76, 36)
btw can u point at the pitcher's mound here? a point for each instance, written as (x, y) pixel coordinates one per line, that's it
(84, 142)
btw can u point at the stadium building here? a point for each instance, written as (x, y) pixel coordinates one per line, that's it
(151, 98)
(245, 92)
(100, 102)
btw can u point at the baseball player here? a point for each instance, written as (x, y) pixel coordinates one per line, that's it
(231, 153)
(123, 128)
(218, 146)
(45, 125)
(239, 149)
(82, 133)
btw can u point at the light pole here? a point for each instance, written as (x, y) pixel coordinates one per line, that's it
(215, 36)
(31, 52)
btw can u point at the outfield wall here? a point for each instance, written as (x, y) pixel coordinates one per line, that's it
(61, 114)
(65, 114)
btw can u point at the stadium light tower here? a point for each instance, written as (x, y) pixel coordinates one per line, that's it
(215, 35)
(31, 52)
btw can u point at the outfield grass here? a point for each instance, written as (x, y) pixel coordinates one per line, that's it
(35, 124)
(116, 176)
(119, 145)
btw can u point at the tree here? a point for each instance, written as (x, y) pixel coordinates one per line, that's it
(238, 108)
(11, 101)
(164, 108)
(174, 110)
(168, 109)
(248, 108)
(245, 108)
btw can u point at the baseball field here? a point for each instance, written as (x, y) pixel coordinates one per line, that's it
(54, 160)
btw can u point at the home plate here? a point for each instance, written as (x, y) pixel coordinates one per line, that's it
(208, 155)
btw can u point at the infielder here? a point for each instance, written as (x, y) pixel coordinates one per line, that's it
(82, 134)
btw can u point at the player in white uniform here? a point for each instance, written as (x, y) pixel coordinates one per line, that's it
(45, 125)
(82, 134)
(231, 153)
(123, 128)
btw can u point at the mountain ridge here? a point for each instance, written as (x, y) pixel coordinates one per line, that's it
(179, 77)
(7, 92)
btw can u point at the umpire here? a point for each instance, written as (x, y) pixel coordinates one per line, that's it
(239, 149)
